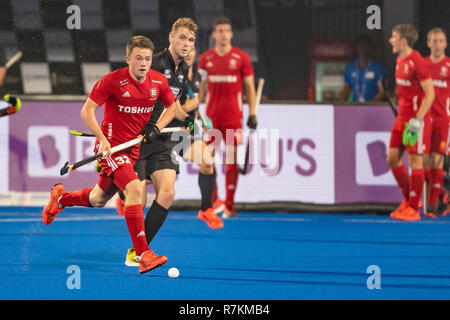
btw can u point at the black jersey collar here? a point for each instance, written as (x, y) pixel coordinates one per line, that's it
(169, 58)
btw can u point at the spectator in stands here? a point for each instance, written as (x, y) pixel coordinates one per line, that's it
(2, 66)
(363, 76)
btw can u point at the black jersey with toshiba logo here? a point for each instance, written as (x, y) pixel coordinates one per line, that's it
(164, 63)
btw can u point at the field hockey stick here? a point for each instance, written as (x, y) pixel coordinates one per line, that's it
(389, 97)
(69, 167)
(165, 130)
(14, 59)
(259, 91)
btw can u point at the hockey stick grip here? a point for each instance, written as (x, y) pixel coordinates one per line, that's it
(13, 59)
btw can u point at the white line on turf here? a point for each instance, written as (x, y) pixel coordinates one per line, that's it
(394, 221)
(61, 219)
(175, 217)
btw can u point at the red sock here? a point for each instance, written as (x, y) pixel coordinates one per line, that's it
(231, 177)
(436, 181)
(134, 216)
(417, 180)
(77, 198)
(402, 177)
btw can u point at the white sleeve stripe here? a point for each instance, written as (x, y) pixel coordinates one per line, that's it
(203, 73)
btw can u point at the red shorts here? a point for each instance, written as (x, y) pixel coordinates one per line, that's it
(439, 135)
(117, 171)
(423, 144)
(229, 133)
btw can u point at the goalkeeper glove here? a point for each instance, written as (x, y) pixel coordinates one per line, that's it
(411, 132)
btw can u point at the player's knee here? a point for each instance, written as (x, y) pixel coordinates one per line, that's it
(415, 162)
(166, 196)
(206, 168)
(98, 202)
(392, 161)
(135, 195)
(98, 198)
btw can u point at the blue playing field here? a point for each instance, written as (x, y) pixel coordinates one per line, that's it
(257, 256)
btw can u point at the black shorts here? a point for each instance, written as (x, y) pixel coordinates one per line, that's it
(158, 155)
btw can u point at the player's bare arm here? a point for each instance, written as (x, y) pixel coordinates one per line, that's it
(179, 113)
(168, 115)
(2, 75)
(203, 89)
(88, 116)
(249, 85)
(427, 86)
(190, 104)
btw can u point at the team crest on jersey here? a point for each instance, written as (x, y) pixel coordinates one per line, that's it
(168, 74)
(233, 64)
(444, 71)
(180, 78)
(406, 69)
(153, 92)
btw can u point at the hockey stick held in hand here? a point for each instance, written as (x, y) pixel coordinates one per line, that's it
(69, 167)
(259, 91)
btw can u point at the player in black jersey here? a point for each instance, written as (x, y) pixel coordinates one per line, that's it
(198, 151)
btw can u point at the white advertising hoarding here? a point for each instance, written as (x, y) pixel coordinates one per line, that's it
(298, 162)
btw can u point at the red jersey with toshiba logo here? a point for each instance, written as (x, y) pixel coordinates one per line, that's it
(440, 73)
(224, 75)
(409, 72)
(129, 104)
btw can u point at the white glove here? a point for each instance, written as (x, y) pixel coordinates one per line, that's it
(415, 124)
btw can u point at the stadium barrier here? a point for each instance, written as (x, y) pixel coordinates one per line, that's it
(305, 158)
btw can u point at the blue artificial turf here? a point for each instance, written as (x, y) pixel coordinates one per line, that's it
(258, 256)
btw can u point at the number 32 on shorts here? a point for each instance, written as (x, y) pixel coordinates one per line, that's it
(122, 160)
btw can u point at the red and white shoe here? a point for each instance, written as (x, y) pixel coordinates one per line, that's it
(53, 207)
(218, 206)
(409, 214)
(400, 208)
(227, 214)
(211, 218)
(150, 260)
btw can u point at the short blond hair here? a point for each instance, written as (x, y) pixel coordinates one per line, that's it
(185, 22)
(434, 31)
(139, 42)
(408, 32)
